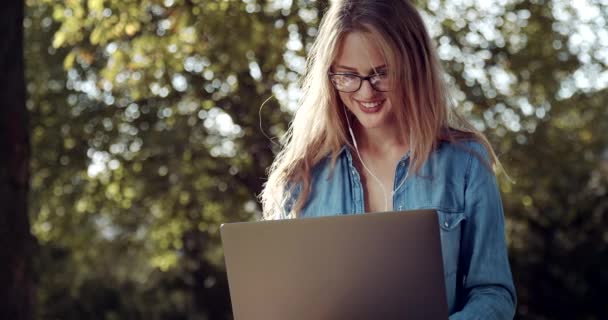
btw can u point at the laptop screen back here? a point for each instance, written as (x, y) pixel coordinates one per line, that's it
(366, 266)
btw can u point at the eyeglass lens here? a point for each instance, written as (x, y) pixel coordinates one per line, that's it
(351, 82)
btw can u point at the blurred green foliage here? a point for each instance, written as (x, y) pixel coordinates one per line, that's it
(148, 132)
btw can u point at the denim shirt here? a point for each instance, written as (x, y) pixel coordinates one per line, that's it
(458, 183)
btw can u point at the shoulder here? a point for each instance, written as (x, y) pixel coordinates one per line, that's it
(327, 166)
(321, 175)
(458, 164)
(474, 164)
(463, 149)
(467, 155)
(453, 153)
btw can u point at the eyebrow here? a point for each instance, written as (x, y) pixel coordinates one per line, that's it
(355, 70)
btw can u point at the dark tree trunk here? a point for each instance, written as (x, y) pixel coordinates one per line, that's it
(15, 239)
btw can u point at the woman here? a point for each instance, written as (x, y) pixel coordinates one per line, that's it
(374, 132)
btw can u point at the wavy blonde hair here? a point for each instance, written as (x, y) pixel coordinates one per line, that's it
(319, 127)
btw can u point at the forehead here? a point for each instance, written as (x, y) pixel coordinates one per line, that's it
(358, 51)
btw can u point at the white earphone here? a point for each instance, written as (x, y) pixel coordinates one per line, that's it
(352, 135)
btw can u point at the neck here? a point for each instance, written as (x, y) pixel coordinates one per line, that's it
(385, 141)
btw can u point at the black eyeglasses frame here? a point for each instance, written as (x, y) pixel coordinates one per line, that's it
(361, 79)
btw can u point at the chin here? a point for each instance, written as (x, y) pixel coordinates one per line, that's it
(369, 124)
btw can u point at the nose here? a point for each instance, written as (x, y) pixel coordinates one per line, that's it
(366, 89)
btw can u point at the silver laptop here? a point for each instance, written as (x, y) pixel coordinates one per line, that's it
(366, 266)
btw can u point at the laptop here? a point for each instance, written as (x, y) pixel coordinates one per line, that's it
(364, 266)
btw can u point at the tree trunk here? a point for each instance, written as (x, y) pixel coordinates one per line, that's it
(15, 239)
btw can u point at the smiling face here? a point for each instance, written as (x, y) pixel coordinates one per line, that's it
(359, 55)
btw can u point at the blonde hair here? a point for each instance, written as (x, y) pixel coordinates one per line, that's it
(319, 127)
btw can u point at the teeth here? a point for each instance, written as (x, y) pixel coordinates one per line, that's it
(370, 105)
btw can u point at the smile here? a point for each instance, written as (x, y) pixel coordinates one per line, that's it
(371, 106)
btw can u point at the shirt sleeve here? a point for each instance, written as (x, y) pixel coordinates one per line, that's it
(487, 290)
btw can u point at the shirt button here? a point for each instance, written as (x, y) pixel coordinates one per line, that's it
(446, 224)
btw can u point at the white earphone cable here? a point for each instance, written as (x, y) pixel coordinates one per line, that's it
(352, 135)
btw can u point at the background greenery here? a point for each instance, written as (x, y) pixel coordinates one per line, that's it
(147, 132)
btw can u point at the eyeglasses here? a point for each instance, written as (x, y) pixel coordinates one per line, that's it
(349, 82)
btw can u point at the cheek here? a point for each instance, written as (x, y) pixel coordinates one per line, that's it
(345, 98)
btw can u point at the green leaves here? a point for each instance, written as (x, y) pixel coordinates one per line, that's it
(147, 135)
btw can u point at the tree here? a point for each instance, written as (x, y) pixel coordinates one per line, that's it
(147, 134)
(15, 253)
(529, 74)
(145, 126)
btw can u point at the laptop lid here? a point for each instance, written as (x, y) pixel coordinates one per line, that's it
(366, 266)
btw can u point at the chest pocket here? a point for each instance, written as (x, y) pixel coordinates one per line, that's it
(450, 227)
